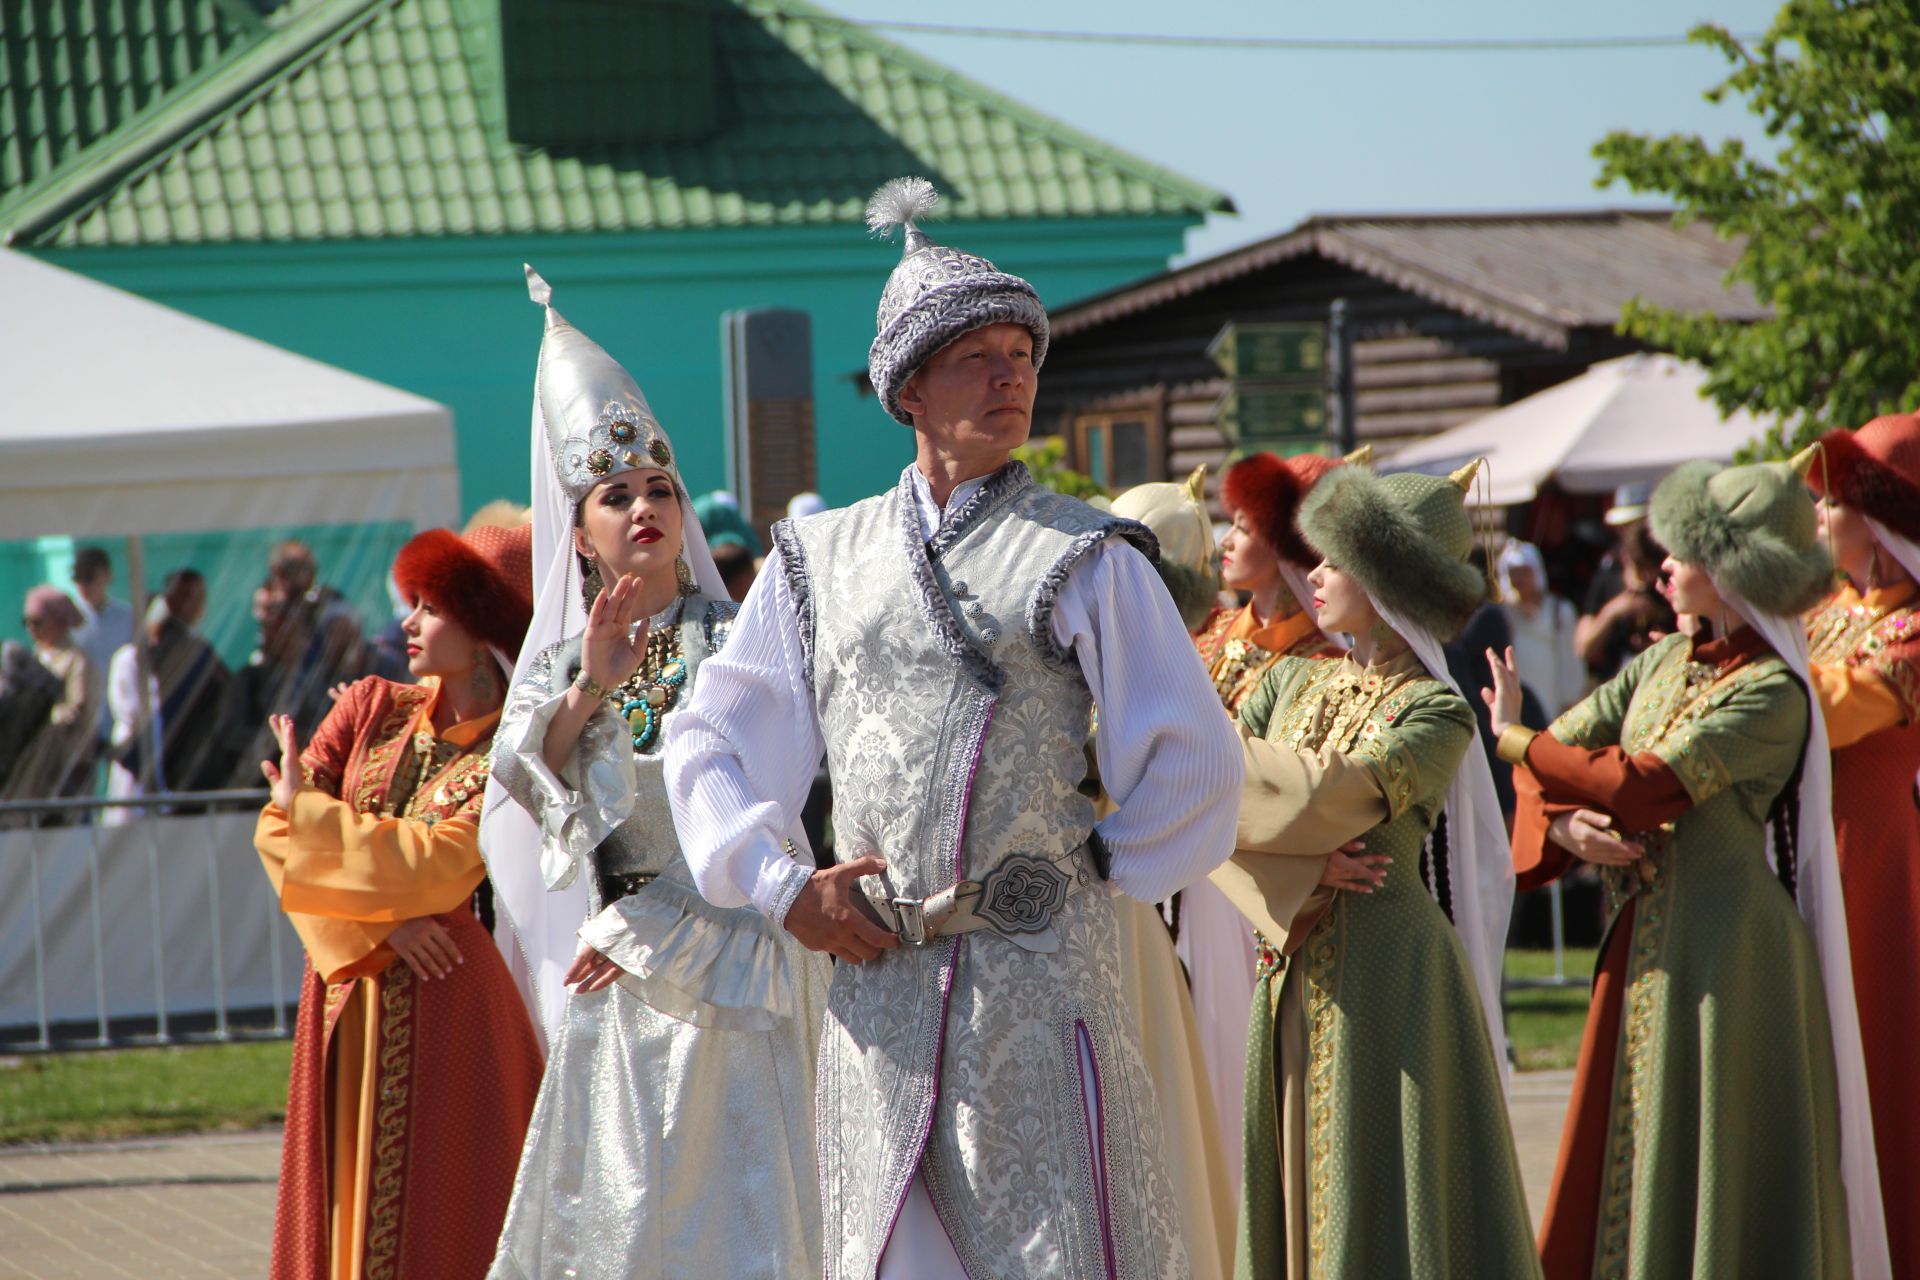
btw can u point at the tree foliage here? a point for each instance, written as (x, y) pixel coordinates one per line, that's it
(1046, 457)
(1829, 227)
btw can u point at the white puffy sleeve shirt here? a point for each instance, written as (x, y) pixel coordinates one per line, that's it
(741, 755)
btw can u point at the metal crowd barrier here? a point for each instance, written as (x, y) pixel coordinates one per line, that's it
(156, 806)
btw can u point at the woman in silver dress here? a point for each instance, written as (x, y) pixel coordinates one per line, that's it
(674, 1130)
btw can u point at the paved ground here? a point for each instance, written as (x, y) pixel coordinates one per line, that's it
(203, 1206)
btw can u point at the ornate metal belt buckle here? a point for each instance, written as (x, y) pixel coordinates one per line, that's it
(1022, 893)
(913, 921)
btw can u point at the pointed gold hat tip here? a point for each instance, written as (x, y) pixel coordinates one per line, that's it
(1197, 484)
(1361, 457)
(1463, 478)
(1802, 462)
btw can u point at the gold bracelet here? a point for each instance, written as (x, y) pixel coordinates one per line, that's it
(1513, 743)
(589, 686)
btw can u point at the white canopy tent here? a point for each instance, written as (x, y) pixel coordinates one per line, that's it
(1621, 422)
(123, 417)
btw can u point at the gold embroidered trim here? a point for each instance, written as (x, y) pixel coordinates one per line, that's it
(1322, 955)
(1630, 1074)
(376, 771)
(388, 1180)
(1668, 708)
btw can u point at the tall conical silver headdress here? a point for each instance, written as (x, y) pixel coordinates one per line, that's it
(936, 294)
(597, 422)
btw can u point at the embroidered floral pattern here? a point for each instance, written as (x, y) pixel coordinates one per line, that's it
(391, 1112)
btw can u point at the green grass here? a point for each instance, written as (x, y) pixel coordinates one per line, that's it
(123, 1093)
(1545, 1022)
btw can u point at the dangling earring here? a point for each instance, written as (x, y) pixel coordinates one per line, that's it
(1873, 568)
(484, 684)
(687, 585)
(590, 584)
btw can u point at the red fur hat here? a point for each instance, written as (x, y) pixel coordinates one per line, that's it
(1875, 469)
(482, 579)
(1269, 490)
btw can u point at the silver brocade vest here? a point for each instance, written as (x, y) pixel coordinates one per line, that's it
(955, 736)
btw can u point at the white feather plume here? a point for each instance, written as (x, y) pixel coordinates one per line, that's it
(901, 202)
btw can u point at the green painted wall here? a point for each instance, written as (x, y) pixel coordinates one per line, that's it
(449, 319)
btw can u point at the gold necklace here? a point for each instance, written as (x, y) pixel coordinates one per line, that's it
(645, 697)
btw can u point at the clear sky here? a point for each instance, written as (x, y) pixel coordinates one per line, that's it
(1288, 134)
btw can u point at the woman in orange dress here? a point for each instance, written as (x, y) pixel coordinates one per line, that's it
(1264, 556)
(415, 1065)
(1865, 645)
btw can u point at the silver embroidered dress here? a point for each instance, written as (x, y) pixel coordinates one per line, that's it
(673, 1136)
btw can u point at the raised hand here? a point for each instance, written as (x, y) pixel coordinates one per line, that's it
(1588, 835)
(284, 779)
(612, 646)
(1503, 699)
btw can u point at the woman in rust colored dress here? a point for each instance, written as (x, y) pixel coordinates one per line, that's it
(1865, 643)
(415, 1065)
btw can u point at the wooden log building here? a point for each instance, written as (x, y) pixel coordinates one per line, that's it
(1450, 316)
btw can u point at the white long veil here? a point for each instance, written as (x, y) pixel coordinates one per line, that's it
(1479, 854)
(1817, 893)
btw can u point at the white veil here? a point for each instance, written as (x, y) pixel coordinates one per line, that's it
(1818, 895)
(1480, 862)
(542, 924)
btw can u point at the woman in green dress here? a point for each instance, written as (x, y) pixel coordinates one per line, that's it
(1718, 1125)
(1376, 1144)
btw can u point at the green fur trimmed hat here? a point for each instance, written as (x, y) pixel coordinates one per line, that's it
(1752, 528)
(1405, 537)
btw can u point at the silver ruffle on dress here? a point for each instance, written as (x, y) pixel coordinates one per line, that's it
(673, 1136)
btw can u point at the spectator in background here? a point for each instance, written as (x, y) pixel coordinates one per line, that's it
(177, 747)
(734, 559)
(106, 623)
(1634, 616)
(335, 647)
(1485, 632)
(275, 681)
(1542, 625)
(1629, 511)
(719, 514)
(805, 504)
(58, 761)
(28, 692)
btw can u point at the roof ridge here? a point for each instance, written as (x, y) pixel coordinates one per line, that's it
(1205, 199)
(250, 69)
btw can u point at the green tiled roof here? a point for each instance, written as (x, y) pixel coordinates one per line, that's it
(349, 119)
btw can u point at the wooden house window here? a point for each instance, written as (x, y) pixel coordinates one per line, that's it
(1118, 449)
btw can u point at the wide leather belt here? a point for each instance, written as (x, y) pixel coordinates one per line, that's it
(1017, 900)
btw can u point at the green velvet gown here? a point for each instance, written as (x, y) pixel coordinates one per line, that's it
(1373, 1093)
(1722, 1148)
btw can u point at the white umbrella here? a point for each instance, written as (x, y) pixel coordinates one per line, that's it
(1623, 421)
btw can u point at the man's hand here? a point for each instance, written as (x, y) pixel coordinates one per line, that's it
(1350, 870)
(824, 918)
(1587, 834)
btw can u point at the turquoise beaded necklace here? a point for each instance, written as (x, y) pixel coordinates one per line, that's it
(645, 697)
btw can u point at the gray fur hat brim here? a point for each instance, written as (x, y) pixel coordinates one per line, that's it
(1757, 564)
(1353, 521)
(944, 313)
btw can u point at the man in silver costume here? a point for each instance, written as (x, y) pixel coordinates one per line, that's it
(983, 1107)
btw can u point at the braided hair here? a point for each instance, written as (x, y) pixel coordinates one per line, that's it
(1784, 819)
(1436, 867)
